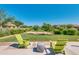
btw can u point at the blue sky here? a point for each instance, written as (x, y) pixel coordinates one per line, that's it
(36, 14)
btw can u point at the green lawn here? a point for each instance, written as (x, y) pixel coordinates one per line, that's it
(41, 37)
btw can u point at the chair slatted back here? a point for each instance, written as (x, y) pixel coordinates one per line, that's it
(19, 38)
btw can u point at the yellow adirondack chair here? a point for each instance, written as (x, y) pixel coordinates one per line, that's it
(58, 46)
(22, 43)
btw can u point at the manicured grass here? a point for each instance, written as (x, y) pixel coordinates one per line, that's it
(8, 39)
(51, 37)
(41, 37)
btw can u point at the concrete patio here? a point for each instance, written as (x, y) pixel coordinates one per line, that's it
(8, 48)
(72, 48)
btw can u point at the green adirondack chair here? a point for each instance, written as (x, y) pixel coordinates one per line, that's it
(22, 43)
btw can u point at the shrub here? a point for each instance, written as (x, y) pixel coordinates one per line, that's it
(1, 34)
(65, 32)
(28, 29)
(77, 32)
(69, 25)
(36, 27)
(47, 27)
(13, 31)
(57, 31)
(71, 31)
(17, 31)
(4, 32)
